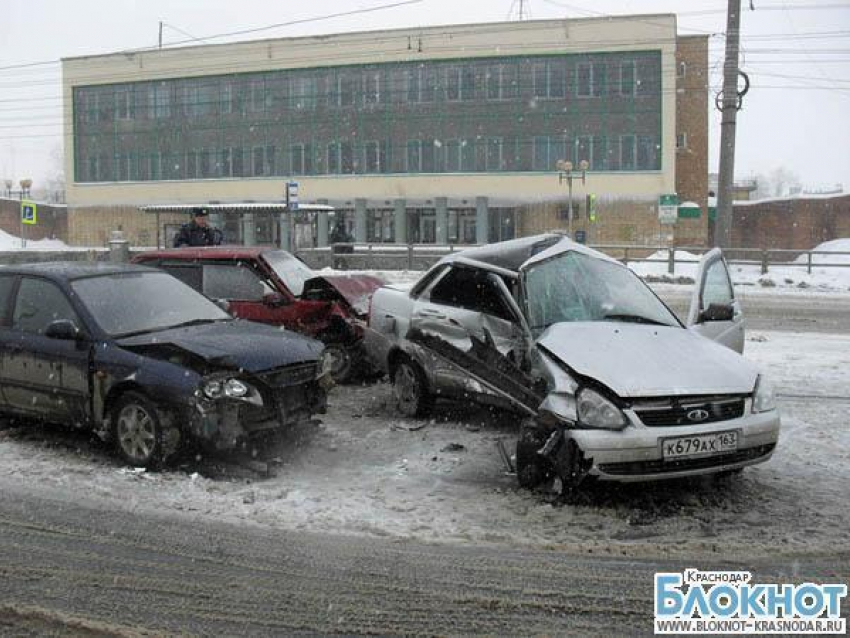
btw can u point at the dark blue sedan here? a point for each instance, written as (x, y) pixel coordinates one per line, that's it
(145, 360)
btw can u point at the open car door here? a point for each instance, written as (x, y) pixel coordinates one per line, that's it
(715, 313)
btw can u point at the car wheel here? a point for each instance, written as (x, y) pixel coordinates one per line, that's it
(342, 362)
(410, 390)
(137, 431)
(531, 468)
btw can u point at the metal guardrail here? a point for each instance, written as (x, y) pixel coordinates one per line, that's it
(423, 256)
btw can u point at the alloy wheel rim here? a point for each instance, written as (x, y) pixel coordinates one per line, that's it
(136, 432)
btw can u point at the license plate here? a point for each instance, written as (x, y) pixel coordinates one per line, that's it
(700, 445)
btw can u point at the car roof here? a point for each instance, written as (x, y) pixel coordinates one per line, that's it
(210, 252)
(69, 270)
(514, 253)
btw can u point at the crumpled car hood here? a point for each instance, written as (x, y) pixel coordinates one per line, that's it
(243, 345)
(354, 289)
(649, 361)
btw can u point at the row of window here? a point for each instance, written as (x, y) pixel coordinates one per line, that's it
(556, 78)
(491, 154)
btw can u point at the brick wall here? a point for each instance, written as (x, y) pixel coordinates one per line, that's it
(619, 221)
(92, 225)
(692, 120)
(796, 223)
(52, 220)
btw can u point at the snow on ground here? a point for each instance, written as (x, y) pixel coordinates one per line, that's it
(364, 471)
(10, 243)
(824, 278)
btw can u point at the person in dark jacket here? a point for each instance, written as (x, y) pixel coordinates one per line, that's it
(198, 232)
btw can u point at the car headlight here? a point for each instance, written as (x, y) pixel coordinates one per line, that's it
(235, 388)
(595, 411)
(214, 389)
(231, 388)
(764, 396)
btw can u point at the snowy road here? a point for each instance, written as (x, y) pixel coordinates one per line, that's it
(73, 570)
(340, 536)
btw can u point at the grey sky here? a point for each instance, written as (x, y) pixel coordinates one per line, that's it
(797, 52)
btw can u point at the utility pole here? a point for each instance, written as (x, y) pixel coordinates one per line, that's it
(729, 103)
(160, 34)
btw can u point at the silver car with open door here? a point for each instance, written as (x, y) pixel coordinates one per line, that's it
(609, 383)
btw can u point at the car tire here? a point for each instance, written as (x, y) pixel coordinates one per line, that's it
(410, 390)
(531, 468)
(342, 365)
(137, 431)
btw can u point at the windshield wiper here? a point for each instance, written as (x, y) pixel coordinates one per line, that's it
(634, 319)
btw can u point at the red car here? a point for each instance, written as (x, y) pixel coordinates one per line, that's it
(272, 286)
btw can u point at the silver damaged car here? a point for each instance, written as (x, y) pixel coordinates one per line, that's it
(609, 383)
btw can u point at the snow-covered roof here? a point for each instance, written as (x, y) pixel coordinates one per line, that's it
(789, 198)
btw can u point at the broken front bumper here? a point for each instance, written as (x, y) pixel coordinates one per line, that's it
(226, 423)
(636, 454)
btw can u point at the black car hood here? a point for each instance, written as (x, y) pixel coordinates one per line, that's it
(242, 345)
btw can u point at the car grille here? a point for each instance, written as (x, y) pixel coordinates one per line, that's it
(676, 411)
(290, 375)
(660, 467)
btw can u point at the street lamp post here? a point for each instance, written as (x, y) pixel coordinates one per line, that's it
(566, 174)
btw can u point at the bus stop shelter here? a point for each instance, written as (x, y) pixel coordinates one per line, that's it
(252, 223)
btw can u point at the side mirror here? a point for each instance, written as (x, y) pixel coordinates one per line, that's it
(275, 300)
(63, 329)
(717, 312)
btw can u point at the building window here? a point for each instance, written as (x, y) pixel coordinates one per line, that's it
(414, 84)
(92, 108)
(237, 160)
(374, 157)
(550, 80)
(682, 69)
(372, 87)
(258, 167)
(205, 165)
(257, 95)
(647, 153)
(493, 160)
(584, 150)
(460, 83)
(627, 78)
(303, 93)
(344, 90)
(125, 108)
(225, 163)
(627, 152)
(493, 78)
(414, 156)
(682, 141)
(540, 158)
(226, 98)
(159, 100)
(299, 159)
(154, 166)
(591, 79)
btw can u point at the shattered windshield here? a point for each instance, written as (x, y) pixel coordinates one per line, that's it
(133, 303)
(577, 287)
(291, 270)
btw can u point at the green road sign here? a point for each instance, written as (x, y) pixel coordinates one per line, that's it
(29, 213)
